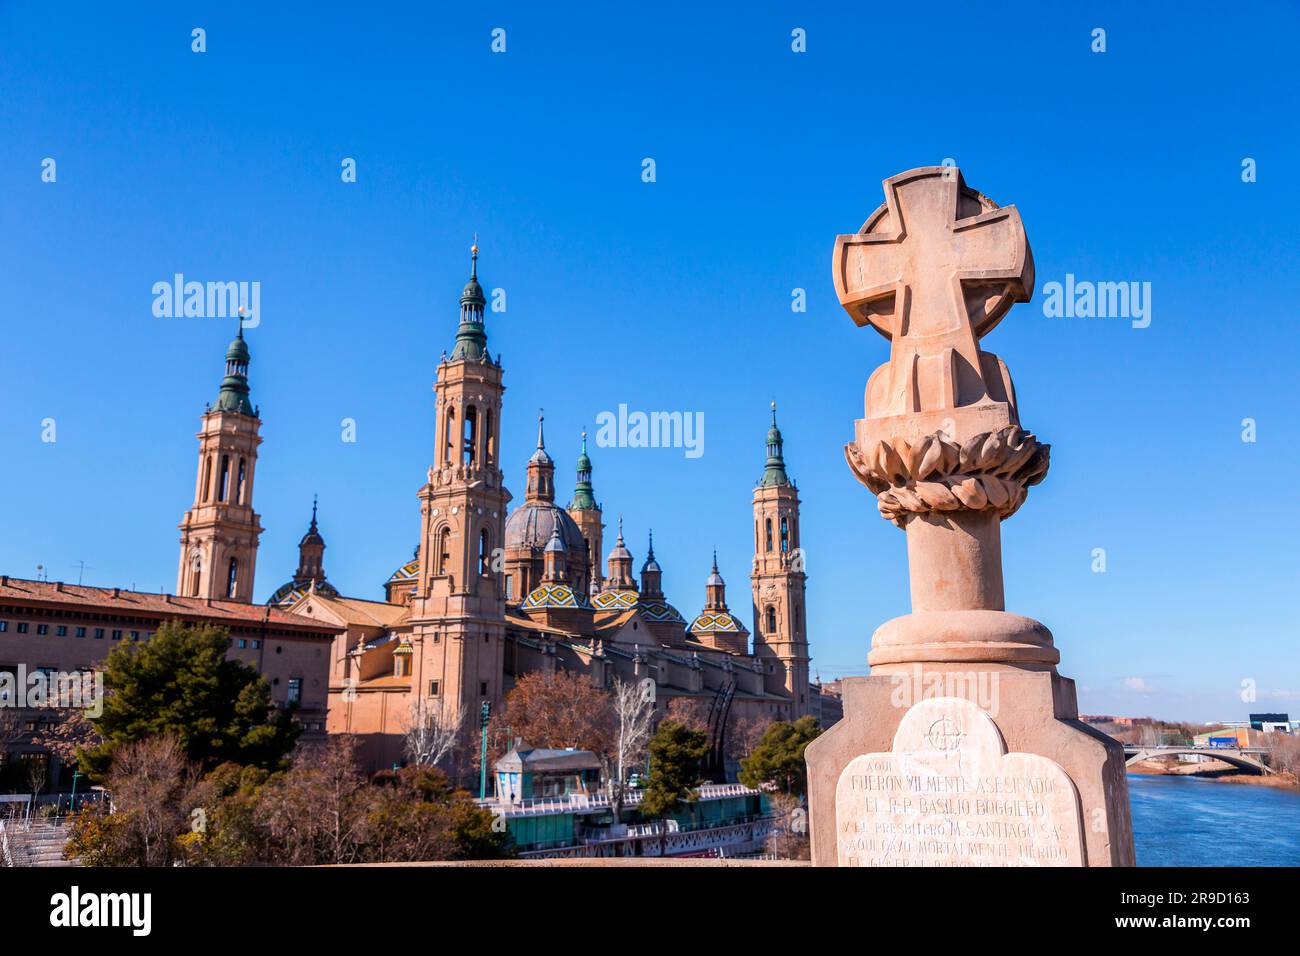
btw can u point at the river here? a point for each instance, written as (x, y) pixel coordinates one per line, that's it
(1183, 821)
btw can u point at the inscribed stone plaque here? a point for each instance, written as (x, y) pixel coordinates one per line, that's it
(950, 795)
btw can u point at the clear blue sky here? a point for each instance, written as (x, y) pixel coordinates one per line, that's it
(1126, 166)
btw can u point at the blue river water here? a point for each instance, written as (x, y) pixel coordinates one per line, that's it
(1183, 821)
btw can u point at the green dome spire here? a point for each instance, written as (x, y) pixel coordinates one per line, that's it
(234, 395)
(774, 473)
(583, 497)
(471, 337)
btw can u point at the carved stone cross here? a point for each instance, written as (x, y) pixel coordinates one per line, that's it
(934, 269)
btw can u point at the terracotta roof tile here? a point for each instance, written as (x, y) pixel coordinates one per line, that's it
(122, 601)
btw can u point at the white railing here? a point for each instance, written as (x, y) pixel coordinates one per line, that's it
(577, 802)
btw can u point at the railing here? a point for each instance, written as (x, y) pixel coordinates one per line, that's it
(577, 802)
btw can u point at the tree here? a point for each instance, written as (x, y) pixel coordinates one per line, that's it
(559, 710)
(788, 839)
(430, 734)
(71, 732)
(778, 762)
(315, 812)
(675, 754)
(11, 732)
(691, 711)
(153, 786)
(179, 684)
(633, 716)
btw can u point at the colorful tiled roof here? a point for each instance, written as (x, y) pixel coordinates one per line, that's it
(714, 622)
(554, 595)
(651, 610)
(289, 594)
(407, 572)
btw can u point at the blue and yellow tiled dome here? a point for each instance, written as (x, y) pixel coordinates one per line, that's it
(626, 600)
(554, 596)
(717, 622)
(407, 572)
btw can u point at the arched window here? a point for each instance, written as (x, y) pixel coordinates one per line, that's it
(207, 478)
(767, 523)
(468, 451)
(785, 534)
(448, 449)
(771, 619)
(232, 577)
(444, 550)
(489, 438)
(225, 478)
(484, 553)
(239, 485)
(756, 544)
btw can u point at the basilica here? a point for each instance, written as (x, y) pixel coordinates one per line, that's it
(492, 591)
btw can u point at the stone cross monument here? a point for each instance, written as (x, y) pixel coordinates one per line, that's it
(963, 747)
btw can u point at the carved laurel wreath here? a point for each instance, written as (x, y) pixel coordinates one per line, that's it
(992, 470)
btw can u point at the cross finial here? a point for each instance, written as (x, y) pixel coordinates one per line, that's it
(541, 442)
(473, 258)
(933, 269)
(313, 509)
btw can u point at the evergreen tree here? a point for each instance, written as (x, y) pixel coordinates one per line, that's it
(179, 684)
(675, 754)
(778, 761)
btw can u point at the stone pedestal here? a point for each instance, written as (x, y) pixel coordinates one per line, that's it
(963, 747)
(1034, 712)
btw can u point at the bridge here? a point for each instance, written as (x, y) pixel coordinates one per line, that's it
(1246, 758)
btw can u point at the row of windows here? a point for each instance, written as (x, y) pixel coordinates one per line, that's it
(98, 633)
(61, 630)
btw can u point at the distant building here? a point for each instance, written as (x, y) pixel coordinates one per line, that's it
(54, 627)
(1279, 723)
(529, 773)
(827, 702)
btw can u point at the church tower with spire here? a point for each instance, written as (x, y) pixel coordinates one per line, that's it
(220, 532)
(310, 575)
(780, 629)
(587, 514)
(458, 603)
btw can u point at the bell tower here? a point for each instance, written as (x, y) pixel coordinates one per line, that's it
(219, 533)
(780, 631)
(458, 607)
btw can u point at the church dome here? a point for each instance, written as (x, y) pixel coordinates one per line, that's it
(531, 526)
(554, 595)
(290, 593)
(408, 571)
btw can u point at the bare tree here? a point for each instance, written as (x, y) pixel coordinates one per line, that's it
(788, 839)
(430, 733)
(11, 731)
(633, 706)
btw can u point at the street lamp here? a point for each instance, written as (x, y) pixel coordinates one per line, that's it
(485, 715)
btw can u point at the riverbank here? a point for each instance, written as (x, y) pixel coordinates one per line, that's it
(1213, 770)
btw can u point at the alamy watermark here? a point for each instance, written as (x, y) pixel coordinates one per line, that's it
(1084, 299)
(208, 300)
(626, 429)
(978, 687)
(66, 690)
